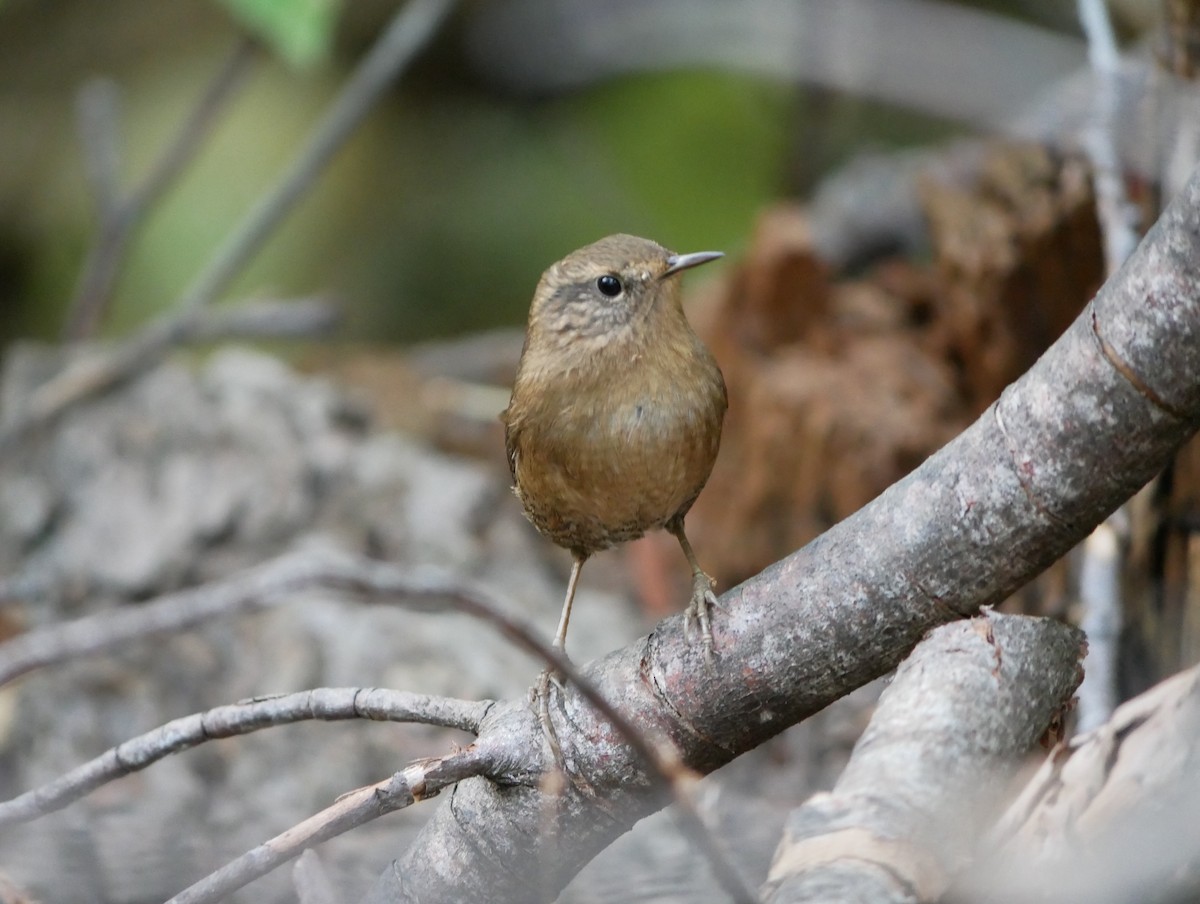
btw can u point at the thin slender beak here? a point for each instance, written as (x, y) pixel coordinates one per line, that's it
(678, 262)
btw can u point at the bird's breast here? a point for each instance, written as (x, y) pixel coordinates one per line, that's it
(610, 455)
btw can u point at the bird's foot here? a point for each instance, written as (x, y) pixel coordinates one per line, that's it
(699, 611)
(540, 697)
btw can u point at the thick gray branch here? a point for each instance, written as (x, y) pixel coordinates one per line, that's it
(926, 777)
(1091, 422)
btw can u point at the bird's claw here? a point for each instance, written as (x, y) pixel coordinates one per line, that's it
(539, 696)
(698, 611)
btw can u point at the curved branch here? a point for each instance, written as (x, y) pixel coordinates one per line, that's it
(372, 580)
(258, 588)
(1095, 418)
(98, 371)
(949, 734)
(419, 781)
(325, 704)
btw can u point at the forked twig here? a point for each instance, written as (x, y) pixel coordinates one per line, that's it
(324, 704)
(416, 782)
(119, 217)
(91, 374)
(272, 582)
(660, 754)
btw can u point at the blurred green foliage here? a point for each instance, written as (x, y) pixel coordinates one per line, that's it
(439, 215)
(300, 31)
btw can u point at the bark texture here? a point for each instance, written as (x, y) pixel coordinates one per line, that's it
(1095, 418)
(928, 774)
(1111, 816)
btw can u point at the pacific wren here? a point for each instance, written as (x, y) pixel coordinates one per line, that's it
(616, 412)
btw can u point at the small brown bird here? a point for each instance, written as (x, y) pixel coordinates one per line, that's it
(616, 412)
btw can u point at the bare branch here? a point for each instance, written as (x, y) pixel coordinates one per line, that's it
(99, 371)
(258, 588)
(665, 764)
(302, 318)
(255, 589)
(1092, 421)
(119, 218)
(98, 111)
(1101, 564)
(949, 733)
(538, 45)
(419, 781)
(269, 584)
(1118, 218)
(324, 704)
(409, 31)
(1111, 816)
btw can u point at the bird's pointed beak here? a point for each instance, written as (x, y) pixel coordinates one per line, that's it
(678, 262)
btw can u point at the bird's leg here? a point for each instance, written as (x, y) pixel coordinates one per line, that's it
(703, 596)
(542, 691)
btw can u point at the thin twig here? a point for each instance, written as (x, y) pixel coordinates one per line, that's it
(1101, 564)
(660, 754)
(258, 588)
(119, 218)
(1100, 569)
(324, 704)
(302, 318)
(408, 32)
(1118, 218)
(272, 582)
(90, 375)
(104, 368)
(416, 782)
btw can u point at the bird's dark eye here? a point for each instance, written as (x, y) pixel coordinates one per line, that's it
(609, 285)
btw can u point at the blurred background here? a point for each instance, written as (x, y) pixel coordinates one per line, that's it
(527, 129)
(907, 191)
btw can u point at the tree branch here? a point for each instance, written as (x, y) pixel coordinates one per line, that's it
(101, 370)
(273, 582)
(945, 741)
(1111, 816)
(419, 781)
(257, 588)
(1090, 423)
(119, 218)
(325, 704)
(422, 588)
(407, 33)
